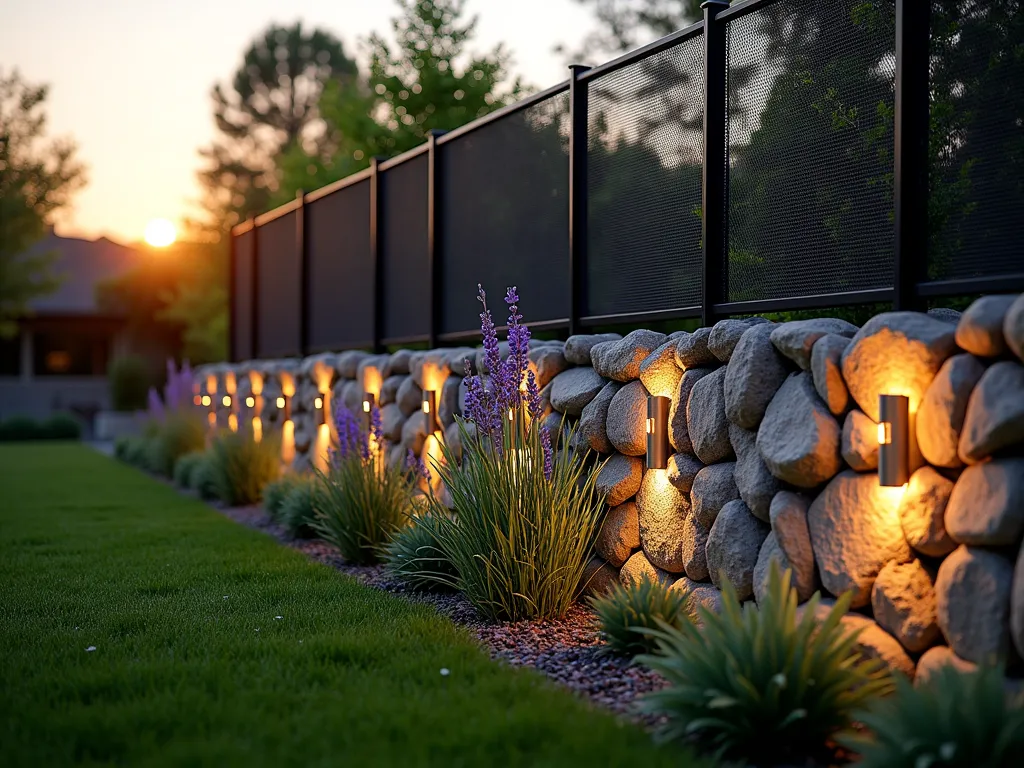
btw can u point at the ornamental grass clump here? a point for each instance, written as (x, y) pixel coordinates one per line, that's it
(186, 466)
(275, 492)
(298, 511)
(415, 557)
(624, 612)
(525, 518)
(360, 500)
(241, 467)
(954, 719)
(757, 683)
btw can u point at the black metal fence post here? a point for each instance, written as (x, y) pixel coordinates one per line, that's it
(715, 164)
(434, 181)
(577, 195)
(302, 249)
(254, 304)
(910, 158)
(376, 220)
(232, 296)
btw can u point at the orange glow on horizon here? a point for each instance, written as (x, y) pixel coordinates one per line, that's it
(160, 233)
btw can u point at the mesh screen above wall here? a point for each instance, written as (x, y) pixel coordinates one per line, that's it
(279, 288)
(241, 320)
(406, 267)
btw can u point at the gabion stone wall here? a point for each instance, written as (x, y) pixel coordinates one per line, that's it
(774, 433)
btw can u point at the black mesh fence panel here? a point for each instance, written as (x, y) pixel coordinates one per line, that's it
(644, 184)
(406, 268)
(976, 184)
(241, 319)
(505, 189)
(810, 102)
(340, 269)
(279, 294)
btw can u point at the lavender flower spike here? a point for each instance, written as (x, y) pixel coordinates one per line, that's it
(545, 442)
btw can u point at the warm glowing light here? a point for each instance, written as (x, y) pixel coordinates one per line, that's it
(318, 403)
(160, 233)
(650, 426)
(206, 400)
(280, 402)
(233, 422)
(426, 406)
(884, 433)
(366, 406)
(250, 402)
(511, 416)
(288, 442)
(257, 429)
(197, 400)
(226, 400)
(211, 417)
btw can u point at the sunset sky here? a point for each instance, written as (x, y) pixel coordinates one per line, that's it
(130, 80)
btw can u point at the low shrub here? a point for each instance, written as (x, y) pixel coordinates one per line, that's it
(951, 720)
(625, 612)
(756, 682)
(130, 380)
(415, 556)
(133, 450)
(60, 426)
(525, 518)
(360, 500)
(177, 434)
(240, 467)
(275, 492)
(186, 466)
(298, 513)
(203, 479)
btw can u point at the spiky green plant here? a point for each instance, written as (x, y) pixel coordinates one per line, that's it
(185, 466)
(179, 433)
(524, 522)
(757, 682)
(415, 556)
(275, 492)
(298, 513)
(951, 720)
(625, 611)
(241, 467)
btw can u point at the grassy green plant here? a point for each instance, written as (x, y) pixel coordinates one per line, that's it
(186, 466)
(203, 479)
(132, 450)
(624, 612)
(171, 438)
(240, 467)
(170, 596)
(276, 490)
(522, 532)
(416, 558)
(360, 503)
(298, 512)
(60, 426)
(130, 380)
(757, 682)
(953, 720)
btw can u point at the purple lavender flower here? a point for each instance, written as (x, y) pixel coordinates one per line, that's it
(545, 442)
(347, 426)
(533, 395)
(376, 425)
(154, 404)
(413, 462)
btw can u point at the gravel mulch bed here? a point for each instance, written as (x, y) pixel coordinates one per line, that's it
(566, 650)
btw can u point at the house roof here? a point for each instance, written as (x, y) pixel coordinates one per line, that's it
(82, 265)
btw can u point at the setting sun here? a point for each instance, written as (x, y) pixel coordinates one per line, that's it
(160, 233)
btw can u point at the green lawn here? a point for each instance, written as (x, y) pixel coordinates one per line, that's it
(193, 666)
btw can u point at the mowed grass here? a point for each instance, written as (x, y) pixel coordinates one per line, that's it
(192, 666)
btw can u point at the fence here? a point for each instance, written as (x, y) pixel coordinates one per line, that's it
(777, 155)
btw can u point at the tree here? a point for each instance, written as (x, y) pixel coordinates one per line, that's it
(37, 178)
(272, 107)
(628, 24)
(427, 80)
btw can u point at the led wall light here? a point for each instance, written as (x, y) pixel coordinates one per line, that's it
(657, 432)
(318, 406)
(284, 404)
(250, 402)
(368, 400)
(893, 440)
(226, 400)
(206, 400)
(429, 408)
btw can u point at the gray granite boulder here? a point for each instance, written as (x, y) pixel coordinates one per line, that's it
(973, 590)
(734, 544)
(980, 330)
(413, 435)
(409, 397)
(682, 470)
(995, 413)
(430, 369)
(351, 397)
(619, 478)
(571, 390)
(855, 530)
(872, 641)
(692, 350)
(706, 422)
(598, 577)
(699, 596)
(827, 372)
(658, 371)
(770, 554)
(577, 348)
(904, 604)
(788, 517)
(922, 513)
(896, 353)
(462, 361)
(397, 363)
(753, 376)
(986, 507)
(620, 360)
(859, 445)
(798, 438)
(448, 403)
(1017, 604)
(662, 512)
(692, 548)
(389, 389)
(347, 363)
(796, 339)
(725, 335)
(546, 363)
(1013, 327)
(627, 419)
(639, 566)
(940, 417)
(755, 482)
(945, 314)
(713, 488)
(678, 430)
(593, 430)
(619, 535)
(936, 658)
(392, 420)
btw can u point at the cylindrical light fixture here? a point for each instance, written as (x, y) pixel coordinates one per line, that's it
(368, 401)
(284, 404)
(250, 402)
(206, 400)
(893, 440)
(226, 401)
(429, 408)
(320, 412)
(657, 431)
